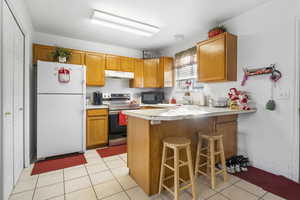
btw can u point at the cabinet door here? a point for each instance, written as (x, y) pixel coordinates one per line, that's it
(97, 132)
(113, 62)
(166, 76)
(229, 132)
(211, 60)
(150, 73)
(42, 52)
(77, 57)
(95, 64)
(127, 64)
(138, 81)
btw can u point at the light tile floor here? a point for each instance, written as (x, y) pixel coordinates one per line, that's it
(108, 179)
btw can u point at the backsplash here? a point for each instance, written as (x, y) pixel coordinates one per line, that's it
(118, 86)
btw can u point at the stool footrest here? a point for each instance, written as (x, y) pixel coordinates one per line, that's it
(168, 166)
(202, 165)
(203, 173)
(185, 187)
(168, 189)
(219, 171)
(204, 155)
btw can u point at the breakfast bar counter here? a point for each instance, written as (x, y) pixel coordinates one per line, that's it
(147, 128)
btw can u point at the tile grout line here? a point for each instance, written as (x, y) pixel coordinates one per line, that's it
(64, 183)
(35, 188)
(116, 177)
(251, 192)
(88, 174)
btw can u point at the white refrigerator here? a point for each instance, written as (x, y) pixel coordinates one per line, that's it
(60, 109)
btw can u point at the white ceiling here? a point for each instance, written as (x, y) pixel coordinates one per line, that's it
(71, 18)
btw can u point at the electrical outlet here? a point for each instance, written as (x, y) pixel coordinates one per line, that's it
(283, 94)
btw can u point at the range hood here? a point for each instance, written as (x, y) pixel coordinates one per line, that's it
(118, 74)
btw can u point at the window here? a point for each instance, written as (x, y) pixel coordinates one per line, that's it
(186, 70)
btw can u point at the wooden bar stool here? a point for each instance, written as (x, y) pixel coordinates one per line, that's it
(210, 157)
(176, 144)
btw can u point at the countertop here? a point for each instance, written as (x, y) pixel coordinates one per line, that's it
(160, 105)
(183, 112)
(90, 107)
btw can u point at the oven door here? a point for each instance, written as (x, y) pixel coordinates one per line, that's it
(115, 130)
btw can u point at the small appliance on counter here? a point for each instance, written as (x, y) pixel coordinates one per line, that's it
(97, 98)
(220, 102)
(154, 97)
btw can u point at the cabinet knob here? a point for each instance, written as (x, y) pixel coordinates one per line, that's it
(20, 109)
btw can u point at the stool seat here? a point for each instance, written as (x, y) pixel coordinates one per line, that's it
(177, 141)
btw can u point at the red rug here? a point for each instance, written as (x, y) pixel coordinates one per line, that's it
(57, 163)
(111, 151)
(278, 185)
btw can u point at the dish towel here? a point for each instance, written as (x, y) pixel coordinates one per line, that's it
(122, 119)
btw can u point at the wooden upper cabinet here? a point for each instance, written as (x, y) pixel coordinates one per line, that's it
(42, 52)
(138, 81)
(127, 64)
(113, 62)
(166, 72)
(77, 57)
(95, 65)
(217, 59)
(151, 73)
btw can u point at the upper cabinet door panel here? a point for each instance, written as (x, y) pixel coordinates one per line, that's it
(150, 73)
(95, 64)
(43, 53)
(217, 59)
(211, 57)
(77, 57)
(127, 64)
(113, 62)
(138, 81)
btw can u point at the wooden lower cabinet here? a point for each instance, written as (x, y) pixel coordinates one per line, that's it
(96, 128)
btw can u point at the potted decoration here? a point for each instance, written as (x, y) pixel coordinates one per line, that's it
(62, 55)
(216, 31)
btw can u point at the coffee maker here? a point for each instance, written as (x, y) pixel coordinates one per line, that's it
(97, 98)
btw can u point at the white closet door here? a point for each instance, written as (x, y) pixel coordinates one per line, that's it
(18, 102)
(13, 127)
(8, 67)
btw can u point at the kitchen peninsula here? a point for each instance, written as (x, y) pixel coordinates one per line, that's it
(147, 129)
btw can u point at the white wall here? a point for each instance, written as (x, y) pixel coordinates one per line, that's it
(55, 40)
(266, 35)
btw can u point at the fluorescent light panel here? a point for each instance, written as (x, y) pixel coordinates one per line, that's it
(124, 24)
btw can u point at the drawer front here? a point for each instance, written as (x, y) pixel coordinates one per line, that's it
(226, 118)
(97, 112)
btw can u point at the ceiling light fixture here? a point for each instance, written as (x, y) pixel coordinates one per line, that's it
(123, 24)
